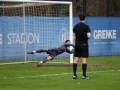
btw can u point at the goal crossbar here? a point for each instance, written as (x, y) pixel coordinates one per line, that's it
(32, 1)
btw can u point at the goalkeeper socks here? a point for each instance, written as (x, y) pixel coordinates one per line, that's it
(39, 51)
(74, 69)
(45, 60)
(84, 67)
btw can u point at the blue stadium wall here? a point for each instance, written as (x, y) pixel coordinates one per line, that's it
(105, 35)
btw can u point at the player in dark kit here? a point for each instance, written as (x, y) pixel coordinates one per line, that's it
(54, 51)
(81, 33)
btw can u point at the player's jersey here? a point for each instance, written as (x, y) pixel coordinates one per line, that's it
(59, 50)
(63, 48)
(81, 30)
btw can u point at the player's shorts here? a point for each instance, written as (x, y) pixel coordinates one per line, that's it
(81, 50)
(52, 52)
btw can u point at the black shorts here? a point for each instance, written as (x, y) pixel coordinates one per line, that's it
(52, 53)
(81, 50)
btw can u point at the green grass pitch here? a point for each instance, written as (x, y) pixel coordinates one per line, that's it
(104, 73)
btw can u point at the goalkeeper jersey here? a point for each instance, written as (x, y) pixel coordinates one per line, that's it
(63, 48)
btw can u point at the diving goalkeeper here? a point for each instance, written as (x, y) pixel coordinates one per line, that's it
(53, 51)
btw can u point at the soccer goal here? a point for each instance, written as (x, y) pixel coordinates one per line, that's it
(31, 25)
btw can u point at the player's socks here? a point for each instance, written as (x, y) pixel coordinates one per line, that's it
(45, 60)
(84, 67)
(41, 62)
(74, 69)
(39, 51)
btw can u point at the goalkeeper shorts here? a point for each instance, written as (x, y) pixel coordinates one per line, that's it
(52, 52)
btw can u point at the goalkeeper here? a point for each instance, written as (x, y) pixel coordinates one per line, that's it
(54, 51)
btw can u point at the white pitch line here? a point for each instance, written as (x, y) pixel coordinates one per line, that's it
(46, 75)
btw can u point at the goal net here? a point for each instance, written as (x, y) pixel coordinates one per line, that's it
(33, 25)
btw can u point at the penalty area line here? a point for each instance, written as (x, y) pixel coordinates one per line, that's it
(50, 75)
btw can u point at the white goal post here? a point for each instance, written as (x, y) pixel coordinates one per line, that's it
(31, 25)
